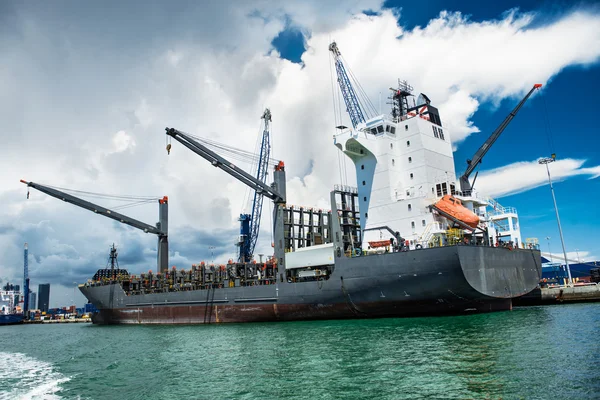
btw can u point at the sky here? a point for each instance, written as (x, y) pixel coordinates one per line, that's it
(86, 91)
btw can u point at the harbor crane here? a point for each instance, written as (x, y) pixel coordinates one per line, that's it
(161, 228)
(465, 186)
(275, 192)
(250, 223)
(350, 97)
(26, 278)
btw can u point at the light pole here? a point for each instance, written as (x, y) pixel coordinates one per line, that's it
(546, 161)
(548, 240)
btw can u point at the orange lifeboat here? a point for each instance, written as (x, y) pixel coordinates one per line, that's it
(453, 207)
(379, 243)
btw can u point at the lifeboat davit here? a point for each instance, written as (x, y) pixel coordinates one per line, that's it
(453, 207)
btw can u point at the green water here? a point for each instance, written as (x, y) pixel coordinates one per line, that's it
(550, 352)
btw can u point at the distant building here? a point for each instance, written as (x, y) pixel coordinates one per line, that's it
(44, 296)
(32, 299)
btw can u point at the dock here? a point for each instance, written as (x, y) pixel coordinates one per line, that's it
(59, 321)
(578, 293)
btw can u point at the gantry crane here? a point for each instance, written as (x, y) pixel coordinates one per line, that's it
(465, 186)
(350, 98)
(250, 223)
(275, 192)
(161, 228)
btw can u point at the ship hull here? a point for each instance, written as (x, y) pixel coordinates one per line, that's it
(11, 319)
(437, 281)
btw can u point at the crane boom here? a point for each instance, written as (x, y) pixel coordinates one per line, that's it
(161, 229)
(250, 223)
(465, 185)
(220, 162)
(350, 98)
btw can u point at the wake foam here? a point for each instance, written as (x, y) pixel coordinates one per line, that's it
(24, 377)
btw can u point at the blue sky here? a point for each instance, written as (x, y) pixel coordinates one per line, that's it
(86, 91)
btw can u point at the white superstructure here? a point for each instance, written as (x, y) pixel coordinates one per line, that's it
(405, 164)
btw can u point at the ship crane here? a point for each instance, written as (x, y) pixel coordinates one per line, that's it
(350, 98)
(277, 195)
(161, 228)
(250, 223)
(275, 192)
(465, 186)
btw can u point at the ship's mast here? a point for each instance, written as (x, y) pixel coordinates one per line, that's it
(399, 100)
(113, 258)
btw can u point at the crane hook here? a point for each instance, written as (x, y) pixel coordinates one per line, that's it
(169, 148)
(27, 194)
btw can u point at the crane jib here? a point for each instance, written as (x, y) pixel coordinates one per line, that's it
(465, 186)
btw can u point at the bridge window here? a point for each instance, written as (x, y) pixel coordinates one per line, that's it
(393, 130)
(423, 222)
(380, 129)
(435, 131)
(374, 131)
(387, 128)
(441, 133)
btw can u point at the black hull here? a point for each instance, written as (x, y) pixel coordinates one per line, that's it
(437, 281)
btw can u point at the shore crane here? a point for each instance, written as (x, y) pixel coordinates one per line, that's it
(26, 278)
(161, 228)
(465, 186)
(250, 223)
(350, 98)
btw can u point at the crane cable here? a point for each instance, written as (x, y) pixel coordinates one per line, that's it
(254, 167)
(232, 152)
(131, 200)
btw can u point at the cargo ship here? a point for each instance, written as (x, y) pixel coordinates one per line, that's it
(410, 239)
(10, 312)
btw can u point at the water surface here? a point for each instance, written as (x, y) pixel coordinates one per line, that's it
(549, 352)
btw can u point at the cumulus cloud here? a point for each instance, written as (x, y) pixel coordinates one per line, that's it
(522, 176)
(89, 105)
(122, 141)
